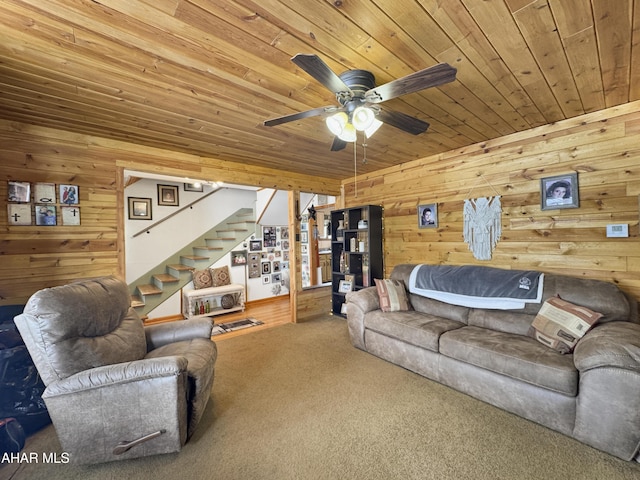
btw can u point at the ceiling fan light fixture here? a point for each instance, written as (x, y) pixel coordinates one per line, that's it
(373, 128)
(363, 118)
(348, 133)
(337, 123)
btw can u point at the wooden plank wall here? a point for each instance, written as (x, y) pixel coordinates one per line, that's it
(604, 149)
(35, 257)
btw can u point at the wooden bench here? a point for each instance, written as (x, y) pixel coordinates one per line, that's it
(209, 301)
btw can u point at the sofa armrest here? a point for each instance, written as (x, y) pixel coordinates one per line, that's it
(613, 344)
(366, 300)
(608, 403)
(165, 333)
(359, 303)
(120, 373)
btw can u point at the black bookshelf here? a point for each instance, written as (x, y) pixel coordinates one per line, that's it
(356, 250)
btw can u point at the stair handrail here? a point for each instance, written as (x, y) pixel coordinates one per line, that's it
(153, 225)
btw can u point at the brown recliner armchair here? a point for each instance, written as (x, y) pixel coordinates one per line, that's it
(116, 389)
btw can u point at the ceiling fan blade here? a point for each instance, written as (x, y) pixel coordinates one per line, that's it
(429, 77)
(297, 116)
(403, 122)
(314, 66)
(337, 144)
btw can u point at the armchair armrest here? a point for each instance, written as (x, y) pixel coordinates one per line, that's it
(120, 373)
(613, 344)
(165, 333)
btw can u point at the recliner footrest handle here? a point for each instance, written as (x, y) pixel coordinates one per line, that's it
(125, 446)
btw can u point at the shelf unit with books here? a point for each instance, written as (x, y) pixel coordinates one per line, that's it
(356, 251)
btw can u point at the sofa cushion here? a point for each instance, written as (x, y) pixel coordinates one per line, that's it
(515, 356)
(560, 324)
(392, 294)
(507, 321)
(420, 329)
(438, 308)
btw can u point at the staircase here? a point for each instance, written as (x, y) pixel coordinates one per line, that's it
(163, 281)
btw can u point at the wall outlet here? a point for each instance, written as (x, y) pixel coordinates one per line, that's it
(618, 230)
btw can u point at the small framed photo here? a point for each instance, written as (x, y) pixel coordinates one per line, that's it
(70, 215)
(68, 194)
(560, 191)
(139, 208)
(46, 215)
(44, 193)
(168, 195)
(193, 187)
(428, 215)
(345, 286)
(255, 245)
(19, 192)
(304, 237)
(19, 214)
(266, 268)
(238, 258)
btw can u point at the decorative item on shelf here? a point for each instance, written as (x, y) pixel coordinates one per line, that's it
(361, 246)
(362, 224)
(196, 309)
(207, 307)
(227, 301)
(340, 230)
(342, 262)
(352, 244)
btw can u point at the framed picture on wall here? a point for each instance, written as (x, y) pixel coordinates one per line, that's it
(168, 195)
(68, 194)
(193, 187)
(139, 208)
(238, 258)
(428, 215)
(560, 191)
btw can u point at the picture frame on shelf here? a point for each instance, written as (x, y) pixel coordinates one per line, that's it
(345, 286)
(559, 191)
(139, 208)
(428, 215)
(168, 195)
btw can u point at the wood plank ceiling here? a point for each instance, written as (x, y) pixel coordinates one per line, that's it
(200, 76)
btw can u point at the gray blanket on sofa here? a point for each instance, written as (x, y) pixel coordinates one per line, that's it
(477, 286)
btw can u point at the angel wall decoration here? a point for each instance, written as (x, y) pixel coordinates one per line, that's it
(482, 225)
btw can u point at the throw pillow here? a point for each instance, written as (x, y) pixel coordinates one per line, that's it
(560, 324)
(393, 295)
(220, 276)
(201, 278)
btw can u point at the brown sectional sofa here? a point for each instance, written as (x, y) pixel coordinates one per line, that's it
(592, 394)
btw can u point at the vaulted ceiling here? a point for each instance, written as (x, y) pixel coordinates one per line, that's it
(200, 76)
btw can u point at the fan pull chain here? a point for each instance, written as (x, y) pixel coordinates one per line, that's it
(355, 167)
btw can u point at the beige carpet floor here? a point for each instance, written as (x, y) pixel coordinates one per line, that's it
(299, 402)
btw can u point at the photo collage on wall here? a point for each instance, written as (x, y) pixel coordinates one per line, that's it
(42, 204)
(268, 256)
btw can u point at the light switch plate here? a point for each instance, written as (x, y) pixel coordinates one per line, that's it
(618, 230)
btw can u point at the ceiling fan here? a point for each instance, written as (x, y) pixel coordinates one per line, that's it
(359, 99)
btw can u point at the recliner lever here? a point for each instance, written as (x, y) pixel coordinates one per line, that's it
(125, 446)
